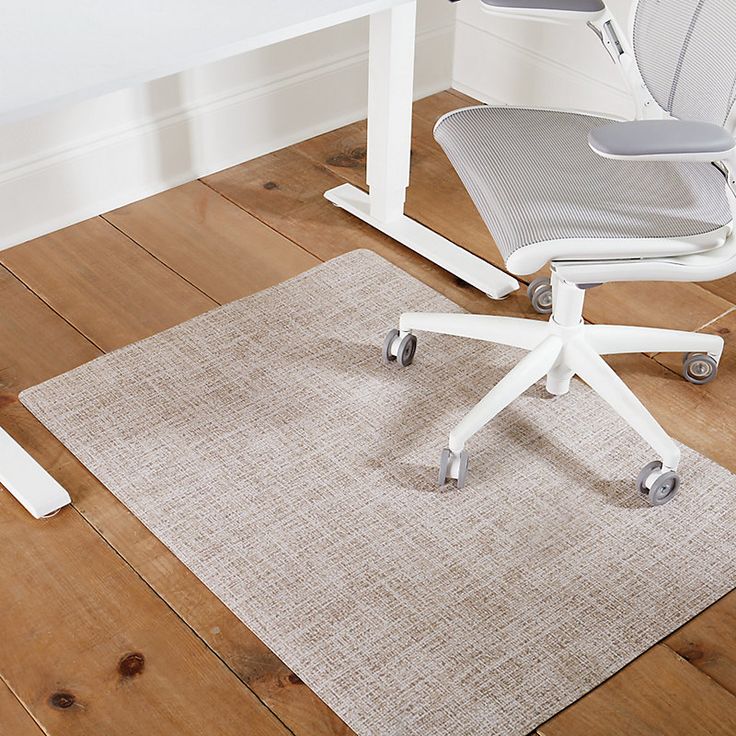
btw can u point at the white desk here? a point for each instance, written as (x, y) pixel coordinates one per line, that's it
(54, 52)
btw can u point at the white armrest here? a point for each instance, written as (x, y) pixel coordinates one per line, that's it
(576, 6)
(551, 11)
(675, 140)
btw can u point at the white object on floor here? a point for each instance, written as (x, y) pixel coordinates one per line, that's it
(39, 493)
(60, 52)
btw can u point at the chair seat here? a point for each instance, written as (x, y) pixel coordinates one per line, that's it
(535, 180)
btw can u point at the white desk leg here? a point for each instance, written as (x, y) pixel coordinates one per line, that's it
(25, 479)
(390, 88)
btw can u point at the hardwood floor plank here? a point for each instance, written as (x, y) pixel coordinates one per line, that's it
(682, 306)
(725, 383)
(659, 693)
(725, 288)
(211, 242)
(435, 197)
(22, 364)
(103, 653)
(14, 718)
(708, 642)
(690, 414)
(102, 283)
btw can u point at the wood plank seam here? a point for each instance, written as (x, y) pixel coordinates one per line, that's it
(663, 642)
(156, 258)
(16, 278)
(176, 613)
(22, 704)
(263, 222)
(715, 319)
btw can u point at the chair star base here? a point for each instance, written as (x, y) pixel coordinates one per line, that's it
(559, 349)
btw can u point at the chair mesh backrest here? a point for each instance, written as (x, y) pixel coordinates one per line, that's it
(686, 51)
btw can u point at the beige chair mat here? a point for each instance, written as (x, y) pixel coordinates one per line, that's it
(268, 447)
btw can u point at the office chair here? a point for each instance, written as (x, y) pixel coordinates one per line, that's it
(601, 200)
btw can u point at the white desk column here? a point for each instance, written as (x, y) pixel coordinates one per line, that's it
(390, 90)
(390, 87)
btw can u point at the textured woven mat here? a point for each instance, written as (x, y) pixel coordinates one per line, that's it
(268, 447)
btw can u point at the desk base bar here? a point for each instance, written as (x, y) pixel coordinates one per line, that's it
(25, 479)
(459, 262)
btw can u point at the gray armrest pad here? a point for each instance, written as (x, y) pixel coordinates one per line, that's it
(660, 138)
(583, 6)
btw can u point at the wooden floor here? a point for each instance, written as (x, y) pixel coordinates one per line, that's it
(103, 630)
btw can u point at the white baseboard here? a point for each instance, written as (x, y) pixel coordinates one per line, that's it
(61, 187)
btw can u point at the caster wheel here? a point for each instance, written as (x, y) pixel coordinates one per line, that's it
(447, 457)
(404, 352)
(540, 295)
(699, 368)
(662, 489)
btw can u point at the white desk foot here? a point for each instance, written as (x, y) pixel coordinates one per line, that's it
(475, 271)
(22, 476)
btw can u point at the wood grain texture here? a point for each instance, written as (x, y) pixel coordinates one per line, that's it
(25, 322)
(690, 414)
(435, 198)
(15, 720)
(654, 304)
(725, 288)
(708, 642)
(212, 243)
(101, 282)
(646, 699)
(104, 654)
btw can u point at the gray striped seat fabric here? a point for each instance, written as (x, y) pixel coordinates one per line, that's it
(533, 178)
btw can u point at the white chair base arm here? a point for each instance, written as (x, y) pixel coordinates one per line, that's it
(526, 373)
(587, 364)
(511, 331)
(613, 339)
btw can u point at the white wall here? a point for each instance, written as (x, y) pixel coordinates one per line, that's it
(62, 168)
(522, 62)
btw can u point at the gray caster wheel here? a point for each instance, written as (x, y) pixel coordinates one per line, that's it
(405, 351)
(540, 295)
(446, 458)
(699, 368)
(662, 489)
